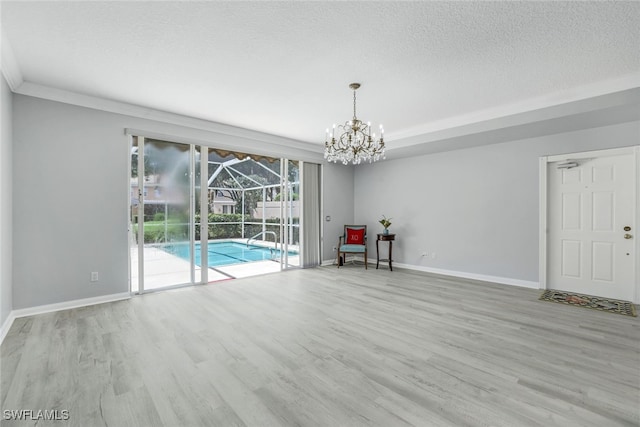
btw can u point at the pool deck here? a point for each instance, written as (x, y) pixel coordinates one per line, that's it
(162, 269)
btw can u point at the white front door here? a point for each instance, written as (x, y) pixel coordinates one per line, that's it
(592, 226)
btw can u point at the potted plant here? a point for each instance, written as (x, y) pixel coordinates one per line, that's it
(386, 222)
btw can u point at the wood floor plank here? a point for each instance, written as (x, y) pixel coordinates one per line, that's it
(327, 347)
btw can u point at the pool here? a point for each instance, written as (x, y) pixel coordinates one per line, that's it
(226, 253)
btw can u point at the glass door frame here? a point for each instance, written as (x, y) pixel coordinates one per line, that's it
(139, 225)
(286, 215)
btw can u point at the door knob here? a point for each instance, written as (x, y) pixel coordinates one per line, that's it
(628, 236)
(627, 228)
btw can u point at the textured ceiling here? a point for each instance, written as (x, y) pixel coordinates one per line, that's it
(284, 67)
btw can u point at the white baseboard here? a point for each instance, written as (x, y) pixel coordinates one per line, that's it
(6, 326)
(41, 309)
(463, 275)
(474, 276)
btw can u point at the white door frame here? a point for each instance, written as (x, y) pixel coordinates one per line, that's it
(543, 204)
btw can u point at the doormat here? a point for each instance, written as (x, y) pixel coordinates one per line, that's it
(589, 301)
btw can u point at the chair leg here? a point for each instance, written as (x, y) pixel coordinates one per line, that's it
(338, 260)
(365, 260)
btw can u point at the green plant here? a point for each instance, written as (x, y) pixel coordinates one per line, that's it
(386, 222)
(293, 197)
(161, 231)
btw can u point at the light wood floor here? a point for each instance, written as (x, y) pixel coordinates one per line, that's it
(328, 347)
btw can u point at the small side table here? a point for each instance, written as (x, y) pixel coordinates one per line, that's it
(385, 238)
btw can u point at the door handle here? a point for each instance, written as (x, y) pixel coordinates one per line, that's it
(628, 236)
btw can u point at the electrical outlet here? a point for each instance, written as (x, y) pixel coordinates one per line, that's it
(94, 276)
(335, 249)
(424, 254)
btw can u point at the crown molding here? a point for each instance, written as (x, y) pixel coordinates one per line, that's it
(59, 95)
(603, 110)
(540, 103)
(569, 102)
(9, 64)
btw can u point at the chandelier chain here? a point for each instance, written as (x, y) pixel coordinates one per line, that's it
(354, 105)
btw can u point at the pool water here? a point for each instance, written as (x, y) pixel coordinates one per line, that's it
(226, 253)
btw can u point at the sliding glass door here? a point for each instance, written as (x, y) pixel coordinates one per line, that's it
(200, 214)
(162, 191)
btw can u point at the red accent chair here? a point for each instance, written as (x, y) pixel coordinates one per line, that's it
(353, 241)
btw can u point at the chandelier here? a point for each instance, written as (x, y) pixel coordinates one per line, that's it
(354, 142)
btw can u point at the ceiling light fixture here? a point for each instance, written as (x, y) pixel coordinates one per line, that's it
(355, 142)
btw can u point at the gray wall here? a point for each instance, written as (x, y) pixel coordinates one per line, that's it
(337, 203)
(476, 208)
(71, 195)
(6, 142)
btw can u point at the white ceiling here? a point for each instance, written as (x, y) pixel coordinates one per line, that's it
(284, 67)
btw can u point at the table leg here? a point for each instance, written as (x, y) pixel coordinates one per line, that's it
(390, 254)
(377, 254)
